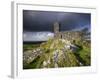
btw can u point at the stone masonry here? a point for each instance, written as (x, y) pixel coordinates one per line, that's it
(69, 35)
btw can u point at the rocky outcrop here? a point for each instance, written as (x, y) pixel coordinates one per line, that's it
(30, 55)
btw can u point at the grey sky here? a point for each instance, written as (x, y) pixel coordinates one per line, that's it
(35, 21)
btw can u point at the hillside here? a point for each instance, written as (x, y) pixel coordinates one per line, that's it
(59, 53)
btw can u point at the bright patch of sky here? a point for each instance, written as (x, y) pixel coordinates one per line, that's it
(37, 36)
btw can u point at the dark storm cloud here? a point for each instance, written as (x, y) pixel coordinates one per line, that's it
(44, 20)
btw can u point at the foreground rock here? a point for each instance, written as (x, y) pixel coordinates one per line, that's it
(30, 55)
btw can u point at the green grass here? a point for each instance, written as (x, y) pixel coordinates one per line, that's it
(30, 46)
(83, 54)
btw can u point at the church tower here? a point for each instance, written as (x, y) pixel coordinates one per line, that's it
(56, 30)
(56, 27)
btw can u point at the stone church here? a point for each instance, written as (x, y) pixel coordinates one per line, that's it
(69, 35)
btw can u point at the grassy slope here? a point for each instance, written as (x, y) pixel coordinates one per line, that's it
(72, 59)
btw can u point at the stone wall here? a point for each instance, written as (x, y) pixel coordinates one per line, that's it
(69, 35)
